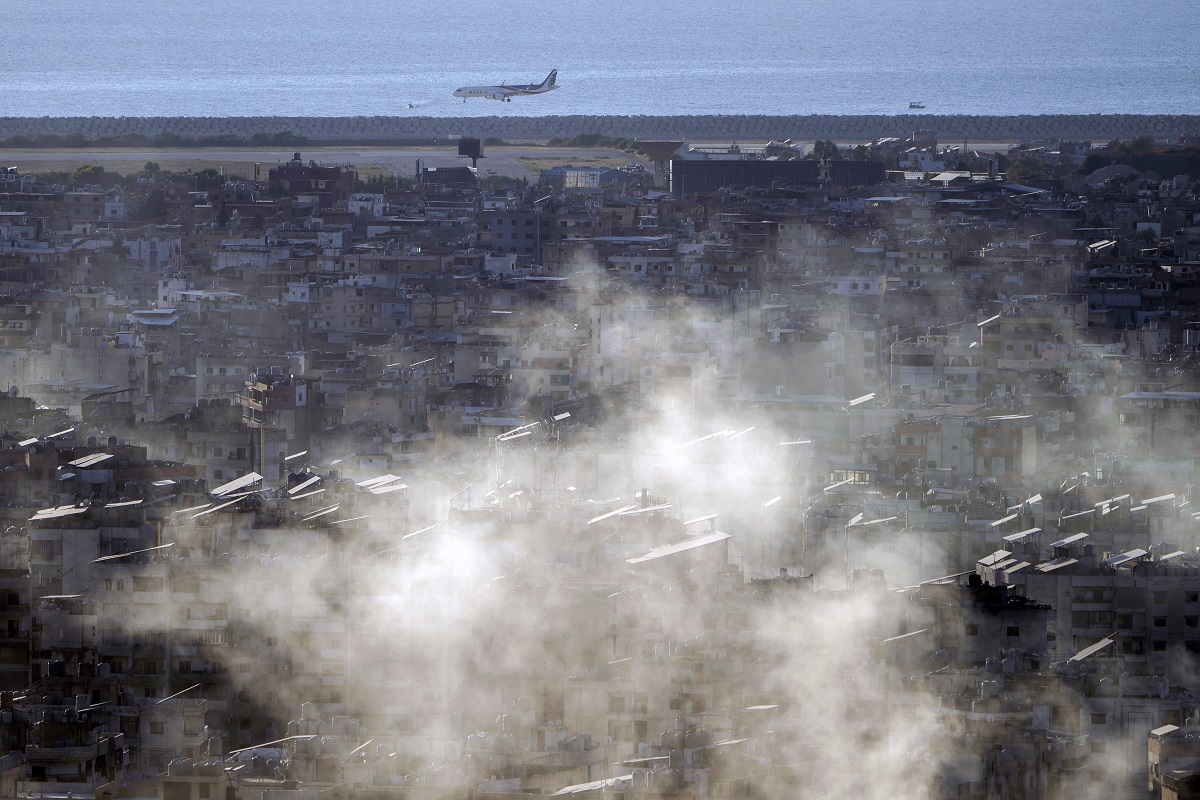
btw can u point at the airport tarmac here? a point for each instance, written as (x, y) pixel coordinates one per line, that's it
(511, 161)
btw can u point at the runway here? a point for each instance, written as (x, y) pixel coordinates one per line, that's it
(511, 161)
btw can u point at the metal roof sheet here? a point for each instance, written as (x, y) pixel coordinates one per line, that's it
(379, 480)
(647, 509)
(679, 547)
(1124, 558)
(320, 512)
(1091, 650)
(235, 484)
(91, 460)
(60, 511)
(1057, 563)
(610, 514)
(902, 636)
(395, 487)
(1016, 537)
(132, 553)
(994, 558)
(302, 486)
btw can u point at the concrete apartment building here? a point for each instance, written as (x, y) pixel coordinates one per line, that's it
(456, 501)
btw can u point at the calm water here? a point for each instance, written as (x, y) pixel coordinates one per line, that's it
(306, 58)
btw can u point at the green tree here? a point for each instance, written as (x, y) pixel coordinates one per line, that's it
(152, 168)
(90, 173)
(1145, 235)
(208, 179)
(825, 148)
(152, 207)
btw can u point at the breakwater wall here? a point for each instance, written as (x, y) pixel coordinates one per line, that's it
(382, 130)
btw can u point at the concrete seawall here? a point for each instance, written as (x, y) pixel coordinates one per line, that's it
(1095, 127)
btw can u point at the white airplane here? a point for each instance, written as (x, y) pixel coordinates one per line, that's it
(507, 92)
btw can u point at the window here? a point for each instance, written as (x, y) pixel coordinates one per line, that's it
(1012, 630)
(156, 727)
(1160, 647)
(1099, 718)
(1160, 622)
(972, 629)
(616, 704)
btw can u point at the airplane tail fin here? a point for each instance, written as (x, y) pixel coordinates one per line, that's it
(551, 78)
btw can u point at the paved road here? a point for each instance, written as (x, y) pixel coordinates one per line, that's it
(399, 161)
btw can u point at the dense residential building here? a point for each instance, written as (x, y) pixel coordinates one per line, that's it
(592, 488)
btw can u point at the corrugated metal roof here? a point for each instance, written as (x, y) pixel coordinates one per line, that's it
(93, 459)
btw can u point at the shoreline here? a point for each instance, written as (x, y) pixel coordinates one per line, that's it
(382, 131)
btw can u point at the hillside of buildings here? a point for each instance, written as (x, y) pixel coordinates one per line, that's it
(772, 472)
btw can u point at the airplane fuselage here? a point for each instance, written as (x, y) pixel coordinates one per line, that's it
(506, 91)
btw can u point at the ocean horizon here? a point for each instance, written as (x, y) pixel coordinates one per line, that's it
(142, 58)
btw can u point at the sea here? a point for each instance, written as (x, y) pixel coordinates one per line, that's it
(406, 57)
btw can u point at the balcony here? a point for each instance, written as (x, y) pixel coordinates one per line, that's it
(35, 754)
